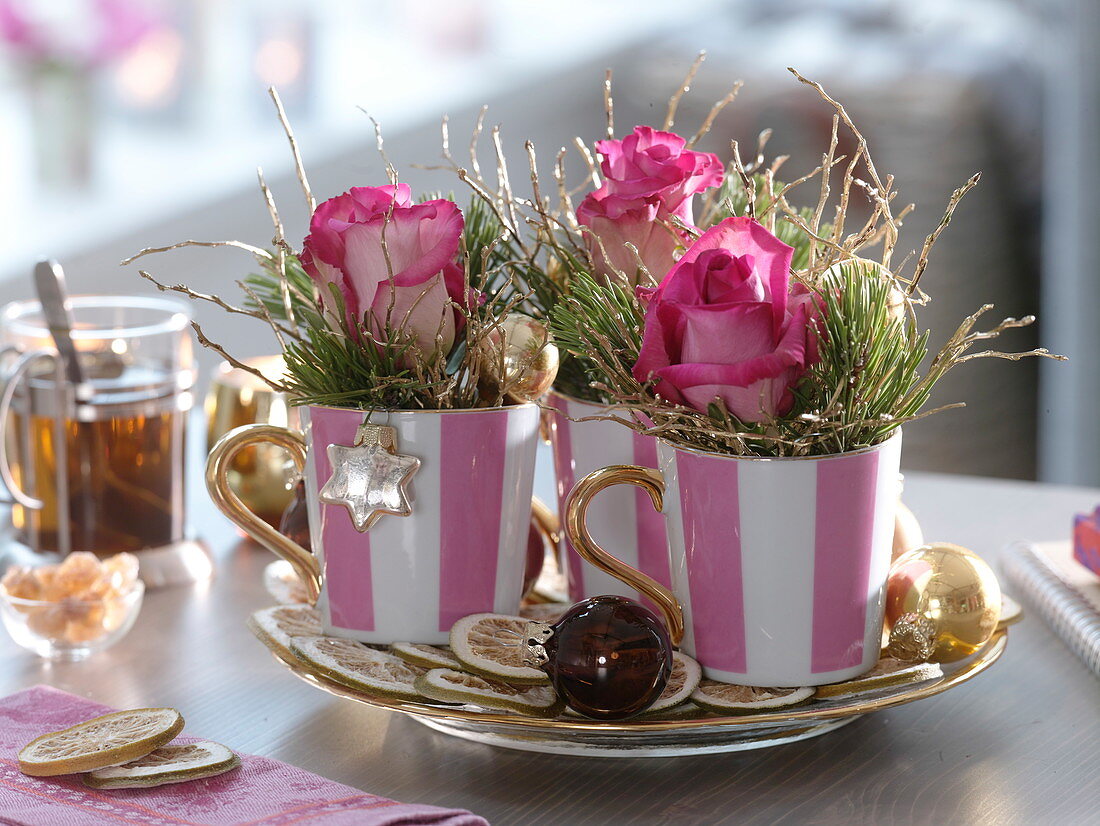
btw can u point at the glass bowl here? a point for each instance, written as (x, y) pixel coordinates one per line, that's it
(70, 629)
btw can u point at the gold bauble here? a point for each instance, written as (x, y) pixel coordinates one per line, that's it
(896, 303)
(942, 603)
(907, 532)
(518, 360)
(555, 271)
(262, 475)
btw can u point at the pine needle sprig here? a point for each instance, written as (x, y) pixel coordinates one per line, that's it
(266, 287)
(869, 361)
(600, 328)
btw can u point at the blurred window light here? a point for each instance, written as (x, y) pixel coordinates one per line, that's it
(73, 33)
(149, 75)
(279, 61)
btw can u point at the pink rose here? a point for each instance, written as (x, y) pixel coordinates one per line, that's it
(650, 165)
(615, 226)
(344, 247)
(724, 323)
(78, 35)
(650, 177)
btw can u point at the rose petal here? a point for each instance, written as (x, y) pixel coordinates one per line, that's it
(420, 310)
(654, 239)
(726, 333)
(376, 200)
(659, 347)
(753, 391)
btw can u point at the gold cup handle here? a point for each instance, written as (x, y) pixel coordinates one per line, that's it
(228, 502)
(576, 530)
(548, 525)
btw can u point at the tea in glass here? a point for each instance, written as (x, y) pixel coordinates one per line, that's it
(100, 468)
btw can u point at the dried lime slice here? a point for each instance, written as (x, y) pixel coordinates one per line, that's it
(168, 764)
(683, 711)
(104, 741)
(1011, 612)
(548, 612)
(450, 686)
(887, 673)
(275, 627)
(425, 656)
(684, 679)
(493, 645)
(356, 666)
(727, 698)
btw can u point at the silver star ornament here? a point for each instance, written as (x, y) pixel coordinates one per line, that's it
(370, 478)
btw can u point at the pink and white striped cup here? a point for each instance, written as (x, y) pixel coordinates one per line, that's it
(461, 550)
(778, 565)
(621, 520)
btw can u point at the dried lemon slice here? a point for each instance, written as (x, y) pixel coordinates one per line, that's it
(425, 656)
(683, 711)
(492, 645)
(727, 698)
(168, 764)
(356, 666)
(684, 679)
(548, 612)
(104, 741)
(449, 686)
(275, 627)
(1011, 612)
(887, 673)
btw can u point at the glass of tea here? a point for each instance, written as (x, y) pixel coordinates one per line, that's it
(98, 466)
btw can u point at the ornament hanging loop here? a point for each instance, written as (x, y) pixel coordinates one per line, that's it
(535, 636)
(576, 530)
(913, 638)
(376, 434)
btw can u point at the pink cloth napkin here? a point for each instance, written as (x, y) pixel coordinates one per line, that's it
(261, 791)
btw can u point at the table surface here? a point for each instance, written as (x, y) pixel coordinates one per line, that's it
(1016, 745)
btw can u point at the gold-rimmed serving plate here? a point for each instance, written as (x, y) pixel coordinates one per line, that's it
(641, 737)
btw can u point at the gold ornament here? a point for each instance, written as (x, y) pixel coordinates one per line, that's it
(907, 532)
(370, 478)
(942, 604)
(555, 271)
(519, 362)
(897, 303)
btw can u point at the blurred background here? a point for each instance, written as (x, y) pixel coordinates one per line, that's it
(134, 123)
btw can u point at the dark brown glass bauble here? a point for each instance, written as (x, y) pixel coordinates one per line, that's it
(295, 522)
(609, 657)
(536, 553)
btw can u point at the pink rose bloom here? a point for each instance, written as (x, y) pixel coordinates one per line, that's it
(649, 178)
(616, 225)
(650, 165)
(724, 324)
(82, 34)
(344, 247)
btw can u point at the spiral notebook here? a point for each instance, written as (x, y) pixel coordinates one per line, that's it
(1046, 578)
